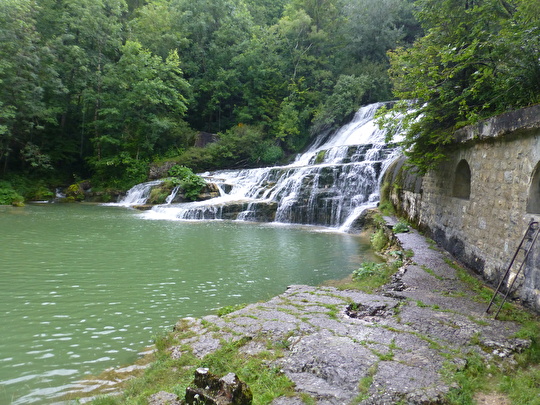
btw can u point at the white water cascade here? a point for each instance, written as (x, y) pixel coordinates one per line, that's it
(331, 184)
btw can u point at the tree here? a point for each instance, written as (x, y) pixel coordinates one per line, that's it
(467, 67)
(83, 36)
(142, 102)
(24, 79)
(266, 12)
(371, 28)
(156, 29)
(345, 99)
(215, 31)
(260, 70)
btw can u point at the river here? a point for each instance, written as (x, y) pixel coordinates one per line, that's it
(87, 287)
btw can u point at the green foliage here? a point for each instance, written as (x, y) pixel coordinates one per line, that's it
(75, 192)
(379, 240)
(387, 208)
(366, 270)
(144, 96)
(101, 400)
(240, 146)
(158, 195)
(190, 183)
(119, 171)
(371, 276)
(477, 59)
(345, 100)
(522, 387)
(163, 340)
(180, 171)
(8, 196)
(101, 81)
(266, 382)
(401, 227)
(229, 309)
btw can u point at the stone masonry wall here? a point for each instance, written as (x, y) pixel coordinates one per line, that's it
(478, 203)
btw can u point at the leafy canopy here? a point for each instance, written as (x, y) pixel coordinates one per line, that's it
(478, 58)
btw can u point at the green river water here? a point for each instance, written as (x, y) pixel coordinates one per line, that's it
(86, 287)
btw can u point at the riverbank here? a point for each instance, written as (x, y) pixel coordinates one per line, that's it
(415, 341)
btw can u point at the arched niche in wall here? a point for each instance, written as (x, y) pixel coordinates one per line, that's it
(533, 202)
(462, 181)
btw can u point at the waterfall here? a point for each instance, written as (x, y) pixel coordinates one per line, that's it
(331, 184)
(138, 194)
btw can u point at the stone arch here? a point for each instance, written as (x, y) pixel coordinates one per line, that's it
(462, 181)
(533, 201)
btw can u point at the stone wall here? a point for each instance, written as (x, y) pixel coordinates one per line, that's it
(478, 203)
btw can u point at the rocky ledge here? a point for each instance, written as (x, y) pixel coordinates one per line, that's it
(398, 345)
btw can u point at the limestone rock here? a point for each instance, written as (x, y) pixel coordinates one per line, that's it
(164, 398)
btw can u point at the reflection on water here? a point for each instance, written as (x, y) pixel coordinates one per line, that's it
(85, 288)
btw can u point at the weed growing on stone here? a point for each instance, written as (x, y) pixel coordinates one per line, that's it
(174, 375)
(265, 382)
(229, 309)
(401, 227)
(365, 383)
(431, 272)
(371, 276)
(379, 240)
(307, 399)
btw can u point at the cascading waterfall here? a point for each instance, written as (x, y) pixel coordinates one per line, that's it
(138, 194)
(331, 184)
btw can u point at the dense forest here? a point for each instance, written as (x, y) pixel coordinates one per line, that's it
(99, 90)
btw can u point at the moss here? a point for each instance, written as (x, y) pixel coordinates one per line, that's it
(320, 157)
(159, 195)
(75, 192)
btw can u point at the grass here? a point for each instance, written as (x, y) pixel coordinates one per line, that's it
(379, 240)
(371, 276)
(431, 272)
(519, 382)
(229, 309)
(365, 383)
(174, 375)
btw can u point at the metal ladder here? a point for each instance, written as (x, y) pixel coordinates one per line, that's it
(525, 247)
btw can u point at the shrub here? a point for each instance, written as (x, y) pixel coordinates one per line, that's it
(120, 171)
(366, 270)
(371, 276)
(8, 196)
(401, 227)
(239, 146)
(230, 309)
(379, 240)
(190, 183)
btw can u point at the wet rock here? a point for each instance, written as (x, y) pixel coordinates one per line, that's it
(143, 207)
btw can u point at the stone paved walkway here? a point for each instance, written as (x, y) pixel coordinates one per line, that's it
(400, 347)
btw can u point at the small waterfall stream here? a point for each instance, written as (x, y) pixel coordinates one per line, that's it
(331, 184)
